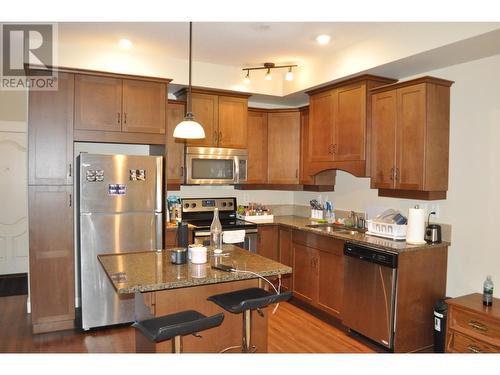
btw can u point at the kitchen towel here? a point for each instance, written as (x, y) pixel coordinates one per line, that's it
(233, 236)
(416, 226)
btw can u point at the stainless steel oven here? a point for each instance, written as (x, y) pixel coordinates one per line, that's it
(213, 165)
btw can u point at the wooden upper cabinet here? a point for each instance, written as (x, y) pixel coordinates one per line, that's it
(410, 141)
(233, 113)
(350, 123)
(205, 109)
(257, 147)
(383, 146)
(283, 137)
(223, 116)
(52, 278)
(321, 130)
(50, 134)
(144, 105)
(98, 103)
(175, 148)
(410, 133)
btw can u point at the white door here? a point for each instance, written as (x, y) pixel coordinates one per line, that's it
(14, 203)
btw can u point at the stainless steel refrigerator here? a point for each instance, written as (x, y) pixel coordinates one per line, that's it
(120, 205)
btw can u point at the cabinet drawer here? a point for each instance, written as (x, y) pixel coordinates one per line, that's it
(465, 344)
(317, 241)
(475, 324)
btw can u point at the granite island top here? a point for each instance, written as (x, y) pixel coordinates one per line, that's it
(301, 223)
(148, 271)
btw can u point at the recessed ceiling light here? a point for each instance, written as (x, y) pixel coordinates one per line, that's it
(125, 43)
(323, 39)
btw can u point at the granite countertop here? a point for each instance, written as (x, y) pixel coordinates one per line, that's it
(297, 222)
(147, 271)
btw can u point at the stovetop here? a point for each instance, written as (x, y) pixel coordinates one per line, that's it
(226, 224)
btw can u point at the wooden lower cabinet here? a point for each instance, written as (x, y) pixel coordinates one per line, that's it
(267, 242)
(285, 255)
(472, 327)
(52, 276)
(318, 271)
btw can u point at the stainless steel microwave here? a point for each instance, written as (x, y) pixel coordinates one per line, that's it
(216, 166)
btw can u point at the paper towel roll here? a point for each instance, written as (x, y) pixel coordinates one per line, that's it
(416, 226)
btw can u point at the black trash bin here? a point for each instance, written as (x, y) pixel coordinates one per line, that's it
(440, 317)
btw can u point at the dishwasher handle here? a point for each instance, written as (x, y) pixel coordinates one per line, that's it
(371, 255)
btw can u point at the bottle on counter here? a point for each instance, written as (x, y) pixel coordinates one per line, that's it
(488, 291)
(216, 231)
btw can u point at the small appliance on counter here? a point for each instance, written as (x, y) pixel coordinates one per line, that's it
(433, 231)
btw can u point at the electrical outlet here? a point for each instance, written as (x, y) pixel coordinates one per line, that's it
(435, 208)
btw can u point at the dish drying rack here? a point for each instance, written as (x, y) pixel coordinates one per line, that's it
(392, 231)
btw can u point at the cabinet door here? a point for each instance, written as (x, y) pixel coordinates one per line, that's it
(321, 128)
(206, 112)
(283, 137)
(410, 137)
(98, 103)
(285, 255)
(233, 114)
(350, 123)
(267, 242)
(383, 146)
(175, 147)
(257, 147)
(52, 278)
(331, 278)
(144, 105)
(305, 275)
(50, 134)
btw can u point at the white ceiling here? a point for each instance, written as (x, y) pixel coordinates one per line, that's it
(228, 43)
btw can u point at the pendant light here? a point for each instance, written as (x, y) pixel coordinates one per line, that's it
(189, 128)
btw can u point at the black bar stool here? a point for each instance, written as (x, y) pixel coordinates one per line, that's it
(244, 301)
(177, 325)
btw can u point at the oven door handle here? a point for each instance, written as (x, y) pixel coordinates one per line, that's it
(202, 234)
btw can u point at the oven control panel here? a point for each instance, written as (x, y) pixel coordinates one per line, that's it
(208, 204)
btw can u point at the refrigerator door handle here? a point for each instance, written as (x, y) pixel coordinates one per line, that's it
(158, 232)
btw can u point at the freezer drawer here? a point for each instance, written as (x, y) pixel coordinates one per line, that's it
(107, 234)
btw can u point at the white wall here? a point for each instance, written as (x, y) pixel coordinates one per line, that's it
(473, 201)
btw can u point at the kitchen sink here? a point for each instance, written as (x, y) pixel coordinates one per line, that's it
(333, 228)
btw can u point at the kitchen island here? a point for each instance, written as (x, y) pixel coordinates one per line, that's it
(162, 288)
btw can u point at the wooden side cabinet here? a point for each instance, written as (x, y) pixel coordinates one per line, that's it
(52, 280)
(267, 241)
(472, 327)
(410, 139)
(50, 134)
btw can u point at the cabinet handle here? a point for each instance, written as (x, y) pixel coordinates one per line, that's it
(477, 326)
(215, 136)
(118, 115)
(125, 118)
(220, 136)
(70, 172)
(70, 199)
(474, 349)
(396, 174)
(392, 174)
(296, 173)
(182, 171)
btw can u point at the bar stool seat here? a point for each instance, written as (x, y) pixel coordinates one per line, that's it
(177, 325)
(244, 301)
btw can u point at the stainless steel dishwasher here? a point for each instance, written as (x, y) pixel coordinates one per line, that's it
(370, 277)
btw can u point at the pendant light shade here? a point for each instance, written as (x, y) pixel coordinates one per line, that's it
(189, 128)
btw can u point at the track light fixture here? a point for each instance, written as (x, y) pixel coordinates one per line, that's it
(269, 66)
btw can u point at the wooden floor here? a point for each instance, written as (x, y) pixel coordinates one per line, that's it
(291, 330)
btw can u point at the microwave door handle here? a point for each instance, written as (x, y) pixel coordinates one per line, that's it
(236, 165)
